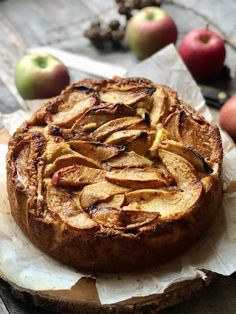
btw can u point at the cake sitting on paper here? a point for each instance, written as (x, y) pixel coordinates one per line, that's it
(115, 175)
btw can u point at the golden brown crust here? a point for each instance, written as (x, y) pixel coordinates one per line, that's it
(112, 197)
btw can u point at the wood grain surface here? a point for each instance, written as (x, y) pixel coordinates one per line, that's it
(60, 23)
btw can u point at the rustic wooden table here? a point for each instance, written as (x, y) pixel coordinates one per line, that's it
(58, 23)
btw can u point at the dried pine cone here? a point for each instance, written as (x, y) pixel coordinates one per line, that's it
(125, 7)
(108, 36)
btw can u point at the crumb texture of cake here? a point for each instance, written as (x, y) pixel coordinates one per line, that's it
(115, 175)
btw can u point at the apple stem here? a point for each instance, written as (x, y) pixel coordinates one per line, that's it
(205, 37)
(41, 62)
(150, 15)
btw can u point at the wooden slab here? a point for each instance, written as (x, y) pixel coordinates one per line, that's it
(83, 298)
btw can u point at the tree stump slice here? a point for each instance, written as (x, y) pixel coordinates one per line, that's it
(82, 298)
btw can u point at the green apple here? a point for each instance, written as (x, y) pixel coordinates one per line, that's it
(40, 75)
(150, 30)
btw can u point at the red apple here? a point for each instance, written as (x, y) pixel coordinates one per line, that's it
(227, 117)
(203, 51)
(40, 75)
(150, 30)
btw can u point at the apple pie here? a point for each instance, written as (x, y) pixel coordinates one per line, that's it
(115, 175)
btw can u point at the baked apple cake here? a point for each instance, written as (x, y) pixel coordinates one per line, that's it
(114, 175)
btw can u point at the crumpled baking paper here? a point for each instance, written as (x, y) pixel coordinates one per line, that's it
(28, 267)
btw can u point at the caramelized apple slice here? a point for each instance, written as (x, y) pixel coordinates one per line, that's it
(116, 201)
(173, 203)
(55, 150)
(181, 169)
(127, 84)
(171, 125)
(77, 175)
(121, 220)
(59, 201)
(75, 196)
(143, 125)
(161, 134)
(128, 160)
(121, 136)
(188, 153)
(97, 116)
(61, 206)
(95, 150)
(80, 221)
(114, 125)
(98, 192)
(71, 110)
(196, 135)
(144, 195)
(136, 140)
(139, 178)
(167, 203)
(160, 106)
(25, 163)
(141, 142)
(68, 160)
(21, 154)
(173, 101)
(127, 97)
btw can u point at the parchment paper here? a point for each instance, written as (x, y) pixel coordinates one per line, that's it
(28, 267)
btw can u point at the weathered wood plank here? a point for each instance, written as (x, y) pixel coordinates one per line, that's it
(11, 48)
(99, 6)
(8, 102)
(43, 22)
